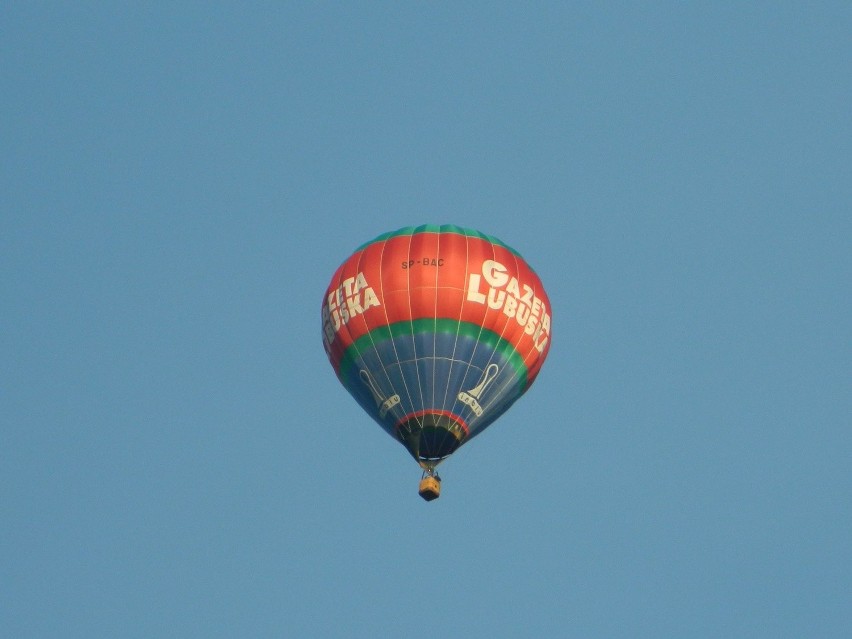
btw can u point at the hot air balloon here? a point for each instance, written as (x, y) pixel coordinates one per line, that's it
(435, 331)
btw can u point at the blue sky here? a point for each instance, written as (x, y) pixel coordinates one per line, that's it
(178, 184)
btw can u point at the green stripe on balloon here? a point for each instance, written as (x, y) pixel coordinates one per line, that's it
(486, 338)
(435, 228)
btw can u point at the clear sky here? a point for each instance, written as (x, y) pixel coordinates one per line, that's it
(178, 183)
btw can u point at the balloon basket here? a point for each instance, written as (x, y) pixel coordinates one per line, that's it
(430, 488)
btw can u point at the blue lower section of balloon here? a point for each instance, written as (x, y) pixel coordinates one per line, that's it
(396, 377)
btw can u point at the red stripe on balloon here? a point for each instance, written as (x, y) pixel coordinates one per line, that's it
(446, 413)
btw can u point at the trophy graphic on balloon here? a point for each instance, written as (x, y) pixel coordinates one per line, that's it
(471, 397)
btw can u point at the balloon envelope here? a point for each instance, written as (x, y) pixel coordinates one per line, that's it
(435, 331)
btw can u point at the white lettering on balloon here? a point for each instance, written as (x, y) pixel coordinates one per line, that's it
(352, 298)
(501, 291)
